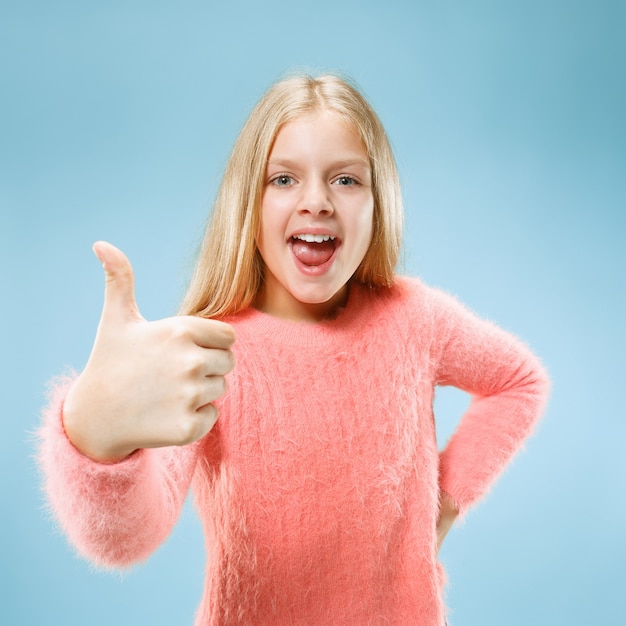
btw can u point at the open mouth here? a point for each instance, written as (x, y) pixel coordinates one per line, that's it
(313, 250)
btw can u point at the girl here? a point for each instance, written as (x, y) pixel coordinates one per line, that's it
(323, 496)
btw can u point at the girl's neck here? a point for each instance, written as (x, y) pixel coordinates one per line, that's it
(283, 305)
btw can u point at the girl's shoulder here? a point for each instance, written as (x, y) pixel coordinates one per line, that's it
(423, 306)
(412, 292)
(409, 304)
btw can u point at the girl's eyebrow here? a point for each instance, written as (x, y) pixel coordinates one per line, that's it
(339, 164)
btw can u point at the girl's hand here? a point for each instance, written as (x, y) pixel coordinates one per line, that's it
(448, 512)
(146, 384)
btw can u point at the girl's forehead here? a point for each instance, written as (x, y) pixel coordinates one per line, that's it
(320, 117)
(317, 130)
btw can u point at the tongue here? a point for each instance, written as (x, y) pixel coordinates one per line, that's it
(313, 253)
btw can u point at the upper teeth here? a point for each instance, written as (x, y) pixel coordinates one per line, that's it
(313, 238)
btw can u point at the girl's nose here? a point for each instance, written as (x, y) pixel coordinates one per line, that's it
(315, 200)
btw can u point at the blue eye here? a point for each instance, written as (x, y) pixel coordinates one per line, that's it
(346, 181)
(282, 181)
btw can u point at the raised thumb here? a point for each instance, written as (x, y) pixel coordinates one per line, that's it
(119, 287)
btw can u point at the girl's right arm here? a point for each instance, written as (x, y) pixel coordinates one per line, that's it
(114, 450)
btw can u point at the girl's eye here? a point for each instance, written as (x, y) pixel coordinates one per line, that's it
(346, 181)
(282, 181)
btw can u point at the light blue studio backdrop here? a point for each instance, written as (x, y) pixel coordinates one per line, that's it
(508, 121)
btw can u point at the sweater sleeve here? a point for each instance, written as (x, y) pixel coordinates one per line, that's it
(118, 513)
(508, 387)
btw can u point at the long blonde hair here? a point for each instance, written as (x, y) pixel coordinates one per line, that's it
(229, 269)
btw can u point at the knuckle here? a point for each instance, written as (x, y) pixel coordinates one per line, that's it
(224, 333)
(218, 362)
(229, 332)
(194, 364)
(178, 330)
(222, 363)
(195, 400)
(188, 430)
(224, 385)
(195, 425)
(216, 387)
(231, 359)
(212, 413)
(170, 330)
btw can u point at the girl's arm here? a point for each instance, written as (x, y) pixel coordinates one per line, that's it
(114, 514)
(117, 444)
(509, 389)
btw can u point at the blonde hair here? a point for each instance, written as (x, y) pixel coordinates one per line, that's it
(229, 269)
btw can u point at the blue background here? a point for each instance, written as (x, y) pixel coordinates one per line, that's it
(509, 124)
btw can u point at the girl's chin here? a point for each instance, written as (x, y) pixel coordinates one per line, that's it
(321, 297)
(295, 294)
(317, 293)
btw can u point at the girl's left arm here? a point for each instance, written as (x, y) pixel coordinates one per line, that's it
(509, 389)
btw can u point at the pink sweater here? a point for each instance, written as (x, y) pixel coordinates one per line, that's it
(318, 487)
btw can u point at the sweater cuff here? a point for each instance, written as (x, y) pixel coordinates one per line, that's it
(457, 492)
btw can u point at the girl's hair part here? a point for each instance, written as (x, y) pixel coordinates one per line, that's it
(229, 270)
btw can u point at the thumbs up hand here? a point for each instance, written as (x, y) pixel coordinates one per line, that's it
(146, 384)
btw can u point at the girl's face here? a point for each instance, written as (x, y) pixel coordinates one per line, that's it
(316, 216)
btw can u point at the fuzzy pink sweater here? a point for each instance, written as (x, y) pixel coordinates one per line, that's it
(318, 488)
